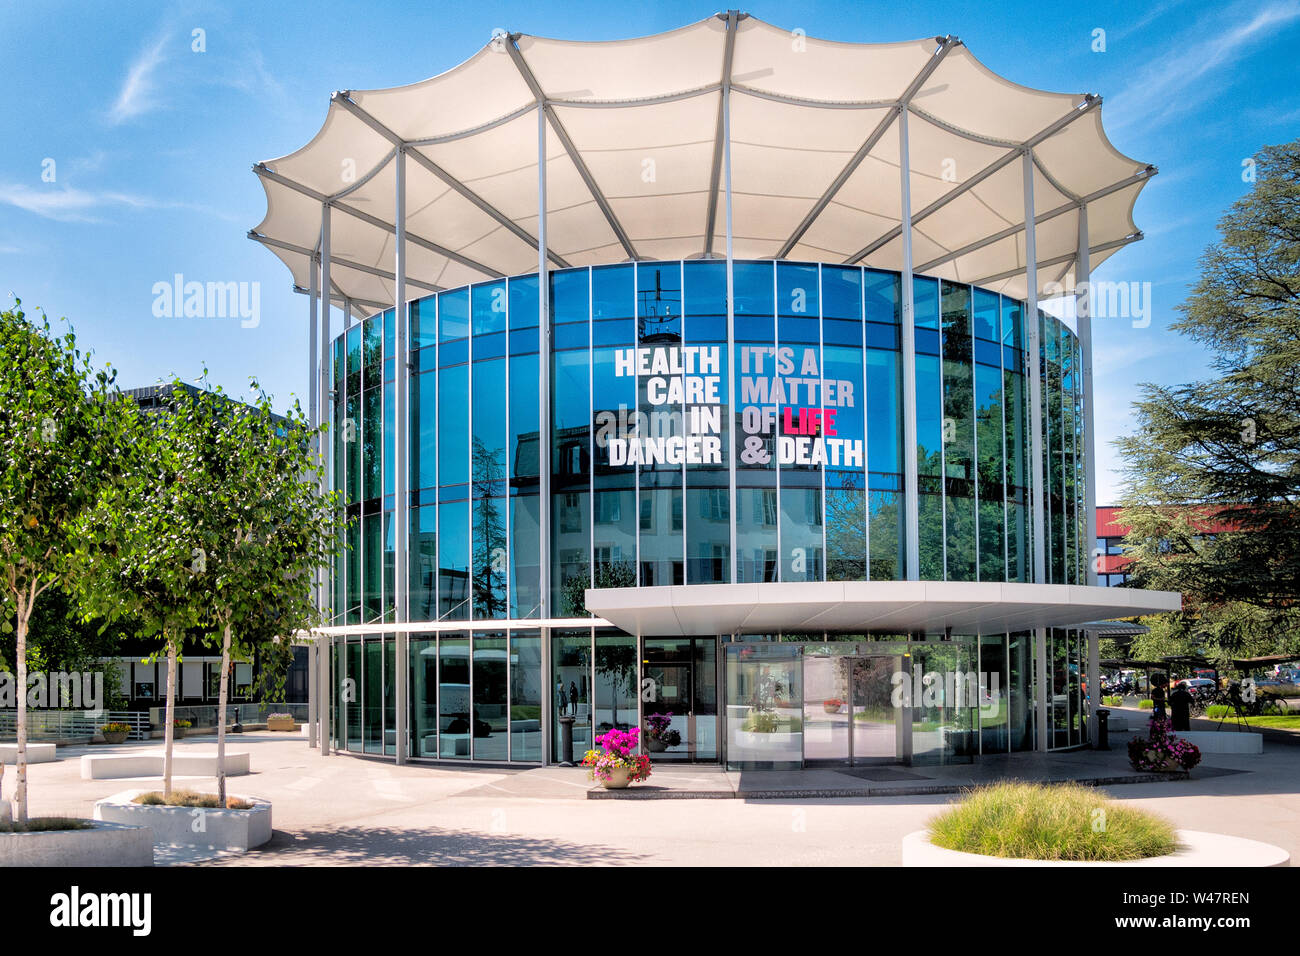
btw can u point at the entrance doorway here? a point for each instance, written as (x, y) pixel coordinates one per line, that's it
(849, 717)
(679, 698)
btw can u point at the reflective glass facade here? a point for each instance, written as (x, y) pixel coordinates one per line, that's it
(650, 409)
(685, 449)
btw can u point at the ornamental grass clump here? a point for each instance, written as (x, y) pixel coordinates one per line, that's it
(1032, 821)
(189, 798)
(619, 754)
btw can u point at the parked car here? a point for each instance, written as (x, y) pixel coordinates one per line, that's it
(1199, 686)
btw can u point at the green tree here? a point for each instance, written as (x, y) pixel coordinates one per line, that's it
(1228, 448)
(60, 440)
(141, 556)
(262, 523)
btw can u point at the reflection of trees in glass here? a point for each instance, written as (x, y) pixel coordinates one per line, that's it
(489, 531)
(616, 663)
(846, 539)
(615, 574)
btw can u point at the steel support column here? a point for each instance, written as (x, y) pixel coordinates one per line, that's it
(1083, 316)
(1030, 319)
(911, 493)
(1042, 692)
(326, 685)
(313, 696)
(731, 320)
(401, 498)
(543, 372)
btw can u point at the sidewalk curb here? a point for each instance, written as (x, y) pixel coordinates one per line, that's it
(633, 793)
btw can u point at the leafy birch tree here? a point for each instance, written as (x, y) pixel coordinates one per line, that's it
(263, 526)
(61, 437)
(140, 556)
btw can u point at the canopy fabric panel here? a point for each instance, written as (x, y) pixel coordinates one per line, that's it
(636, 162)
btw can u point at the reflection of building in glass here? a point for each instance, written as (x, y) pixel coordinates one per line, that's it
(759, 450)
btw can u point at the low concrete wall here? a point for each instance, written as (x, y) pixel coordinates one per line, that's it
(1224, 741)
(149, 763)
(1195, 848)
(107, 844)
(36, 753)
(192, 826)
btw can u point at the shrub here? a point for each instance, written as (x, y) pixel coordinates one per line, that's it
(1112, 701)
(44, 824)
(279, 716)
(190, 798)
(1050, 822)
(182, 723)
(1145, 705)
(115, 727)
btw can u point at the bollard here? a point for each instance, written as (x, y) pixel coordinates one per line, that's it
(1103, 728)
(566, 741)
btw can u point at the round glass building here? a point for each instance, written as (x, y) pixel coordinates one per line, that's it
(749, 475)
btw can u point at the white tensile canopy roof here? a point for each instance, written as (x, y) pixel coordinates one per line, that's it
(636, 164)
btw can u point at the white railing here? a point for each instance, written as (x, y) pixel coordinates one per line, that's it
(72, 724)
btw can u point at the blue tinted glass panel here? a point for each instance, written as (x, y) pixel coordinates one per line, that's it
(489, 307)
(613, 296)
(453, 425)
(797, 289)
(754, 290)
(706, 287)
(841, 292)
(453, 315)
(881, 291)
(659, 301)
(453, 561)
(523, 302)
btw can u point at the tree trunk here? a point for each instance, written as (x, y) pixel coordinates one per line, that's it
(221, 718)
(20, 759)
(169, 733)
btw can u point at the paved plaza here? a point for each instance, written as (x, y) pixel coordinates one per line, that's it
(348, 810)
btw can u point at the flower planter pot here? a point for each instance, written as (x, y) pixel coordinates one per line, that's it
(116, 736)
(618, 779)
(831, 708)
(655, 746)
(281, 723)
(178, 733)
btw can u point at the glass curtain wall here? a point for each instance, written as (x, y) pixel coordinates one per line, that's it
(643, 438)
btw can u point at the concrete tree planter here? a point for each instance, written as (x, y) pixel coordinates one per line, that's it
(1195, 848)
(104, 844)
(282, 723)
(116, 736)
(192, 826)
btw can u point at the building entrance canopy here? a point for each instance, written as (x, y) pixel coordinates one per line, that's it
(856, 606)
(640, 157)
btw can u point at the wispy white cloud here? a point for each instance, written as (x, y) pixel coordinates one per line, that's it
(82, 205)
(139, 93)
(1168, 85)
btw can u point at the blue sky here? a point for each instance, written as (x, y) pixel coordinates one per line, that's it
(152, 144)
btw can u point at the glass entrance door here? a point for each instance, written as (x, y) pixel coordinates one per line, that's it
(679, 698)
(877, 729)
(827, 720)
(849, 717)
